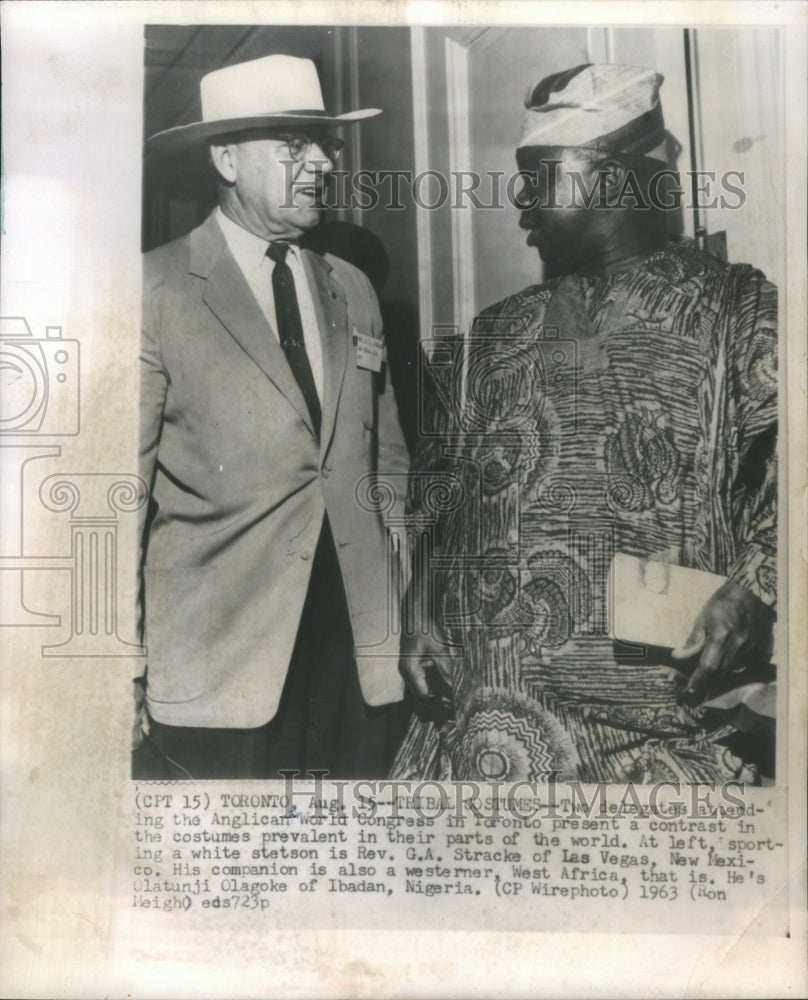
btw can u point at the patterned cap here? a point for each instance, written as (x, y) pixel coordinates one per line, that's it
(603, 106)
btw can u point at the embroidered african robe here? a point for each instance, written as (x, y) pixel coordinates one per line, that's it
(630, 413)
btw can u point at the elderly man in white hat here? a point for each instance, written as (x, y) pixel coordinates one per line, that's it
(265, 414)
(626, 436)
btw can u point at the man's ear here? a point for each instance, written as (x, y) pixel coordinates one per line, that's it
(225, 161)
(612, 176)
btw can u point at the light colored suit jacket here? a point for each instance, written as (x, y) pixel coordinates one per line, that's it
(239, 485)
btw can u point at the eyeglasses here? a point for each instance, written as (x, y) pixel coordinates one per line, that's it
(300, 145)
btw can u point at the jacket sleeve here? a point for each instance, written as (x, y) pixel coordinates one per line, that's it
(154, 382)
(393, 456)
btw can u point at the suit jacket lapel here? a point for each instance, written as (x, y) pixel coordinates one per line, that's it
(229, 298)
(332, 316)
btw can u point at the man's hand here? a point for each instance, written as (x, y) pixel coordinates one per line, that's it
(427, 666)
(733, 631)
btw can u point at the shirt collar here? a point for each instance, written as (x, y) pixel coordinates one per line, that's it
(246, 247)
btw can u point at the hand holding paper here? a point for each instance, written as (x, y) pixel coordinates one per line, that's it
(733, 627)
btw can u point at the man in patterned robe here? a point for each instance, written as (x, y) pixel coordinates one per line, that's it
(627, 405)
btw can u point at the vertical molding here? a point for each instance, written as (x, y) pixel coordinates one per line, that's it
(698, 124)
(423, 225)
(596, 45)
(600, 45)
(341, 96)
(463, 269)
(339, 68)
(355, 132)
(610, 57)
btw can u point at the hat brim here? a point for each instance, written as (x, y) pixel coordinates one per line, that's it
(183, 136)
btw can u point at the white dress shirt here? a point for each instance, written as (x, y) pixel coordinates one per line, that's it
(250, 252)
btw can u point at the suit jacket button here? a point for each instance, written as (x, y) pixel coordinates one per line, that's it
(305, 554)
(326, 472)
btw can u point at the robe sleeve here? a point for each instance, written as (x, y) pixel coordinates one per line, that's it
(752, 370)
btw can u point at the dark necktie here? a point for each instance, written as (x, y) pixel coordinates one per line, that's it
(290, 330)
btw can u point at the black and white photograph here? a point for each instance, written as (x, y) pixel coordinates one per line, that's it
(583, 479)
(403, 543)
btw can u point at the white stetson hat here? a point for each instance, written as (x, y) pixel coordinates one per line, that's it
(272, 91)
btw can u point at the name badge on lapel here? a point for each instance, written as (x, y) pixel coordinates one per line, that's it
(369, 351)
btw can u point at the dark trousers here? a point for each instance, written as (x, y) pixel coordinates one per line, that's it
(322, 722)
